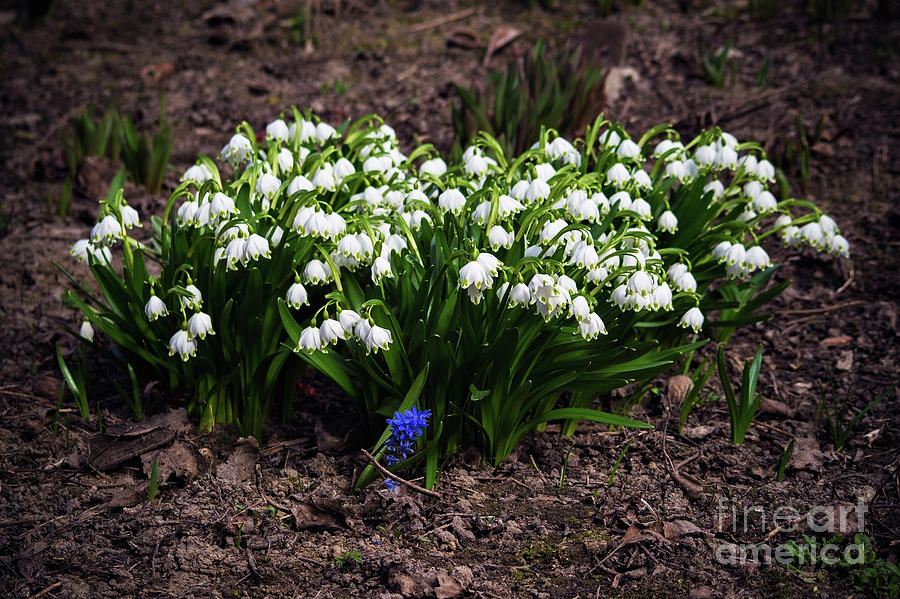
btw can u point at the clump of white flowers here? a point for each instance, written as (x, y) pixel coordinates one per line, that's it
(606, 241)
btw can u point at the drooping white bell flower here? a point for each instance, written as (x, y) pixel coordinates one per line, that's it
(551, 229)
(296, 296)
(717, 189)
(641, 283)
(186, 213)
(519, 189)
(237, 151)
(194, 299)
(629, 150)
(692, 319)
(277, 130)
(609, 138)
(735, 255)
(561, 148)
(200, 325)
(838, 246)
(87, 331)
(721, 250)
(642, 179)
(727, 157)
(155, 308)
(330, 332)
(579, 308)
(452, 200)
(765, 170)
(106, 231)
(753, 188)
(324, 177)
(705, 155)
(381, 268)
(591, 327)
(234, 253)
(377, 338)
(257, 246)
(335, 225)
(618, 175)
(667, 222)
(316, 272)
(472, 274)
(348, 320)
(622, 198)
(435, 167)
(498, 237)
(182, 344)
(299, 183)
(765, 202)
(267, 186)
(519, 295)
(584, 255)
(285, 160)
(662, 297)
(310, 340)
(537, 190)
(324, 132)
(756, 257)
(597, 275)
(129, 216)
(813, 234)
(198, 173)
(221, 206)
(686, 283)
(642, 208)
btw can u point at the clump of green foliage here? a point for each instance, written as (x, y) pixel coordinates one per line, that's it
(541, 90)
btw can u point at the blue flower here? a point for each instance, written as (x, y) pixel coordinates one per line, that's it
(406, 428)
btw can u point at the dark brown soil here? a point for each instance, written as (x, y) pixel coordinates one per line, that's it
(233, 520)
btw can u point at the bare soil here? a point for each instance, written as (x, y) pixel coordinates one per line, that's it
(235, 520)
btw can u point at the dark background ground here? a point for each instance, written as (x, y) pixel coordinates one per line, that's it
(236, 521)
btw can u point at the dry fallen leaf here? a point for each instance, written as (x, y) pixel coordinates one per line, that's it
(502, 36)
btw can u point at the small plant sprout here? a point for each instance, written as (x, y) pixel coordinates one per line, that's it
(783, 461)
(743, 407)
(153, 485)
(840, 426)
(348, 557)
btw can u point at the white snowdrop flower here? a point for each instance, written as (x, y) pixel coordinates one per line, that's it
(416, 195)
(519, 190)
(717, 189)
(692, 319)
(365, 242)
(221, 206)
(87, 331)
(416, 218)
(629, 150)
(378, 164)
(393, 243)
(642, 179)
(737, 271)
(507, 206)
(619, 295)
(256, 246)
(813, 234)
(537, 190)
(551, 229)
(202, 217)
(129, 216)
(721, 250)
(753, 188)
(642, 208)
(663, 147)
(194, 299)
(285, 160)
(296, 296)
(330, 332)
(298, 184)
(324, 132)
(579, 308)
(394, 198)
(106, 231)
(736, 254)
(584, 255)
(533, 251)
(200, 325)
(561, 148)
(315, 222)
(765, 170)
(640, 283)
(728, 140)
(726, 157)
(381, 268)
(609, 138)
(544, 171)
(378, 338)
(691, 169)
(618, 175)
(435, 167)
(275, 235)
(237, 150)
(677, 170)
(667, 222)
(765, 202)
(472, 274)
(591, 327)
(542, 287)
(335, 225)
(829, 227)
(676, 271)
(198, 173)
(622, 198)
(348, 320)
(705, 155)
(267, 186)
(597, 275)
(452, 200)
(686, 282)
(567, 283)
(519, 295)
(306, 130)
(603, 204)
(186, 213)
(372, 197)
(234, 232)
(586, 211)
(349, 246)
(574, 199)
(662, 297)
(838, 245)
(343, 168)
(362, 329)
(635, 259)
(490, 263)
(498, 237)
(783, 220)
(277, 130)
(324, 178)
(790, 235)
(310, 340)
(476, 166)
(315, 272)
(747, 215)
(756, 257)
(182, 344)
(155, 308)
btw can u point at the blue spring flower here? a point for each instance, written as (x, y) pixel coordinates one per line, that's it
(406, 428)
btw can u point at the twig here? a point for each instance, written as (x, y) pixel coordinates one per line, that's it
(55, 585)
(847, 282)
(825, 309)
(691, 488)
(533, 463)
(437, 22)
(396, 478)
